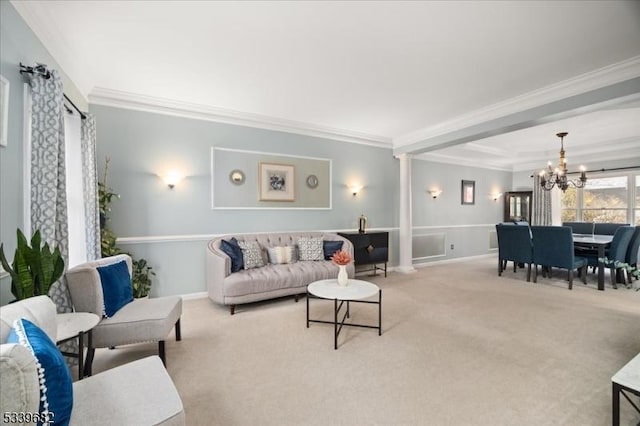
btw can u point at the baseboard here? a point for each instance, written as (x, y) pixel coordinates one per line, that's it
(454, 260)
(192, 296)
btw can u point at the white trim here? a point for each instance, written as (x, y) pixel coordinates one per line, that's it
(429, 257)
(194, 296)
(479, 225)
(4, 117)
(209, 237)
(454, 260)
(583, 83)
(436, 157)
(211, 168)
(134, 101)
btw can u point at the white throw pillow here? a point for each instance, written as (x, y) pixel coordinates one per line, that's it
(280, 254)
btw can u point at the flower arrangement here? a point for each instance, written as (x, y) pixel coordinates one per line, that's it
(341, 257)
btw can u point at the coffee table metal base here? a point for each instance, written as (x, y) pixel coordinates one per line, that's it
(337, 308)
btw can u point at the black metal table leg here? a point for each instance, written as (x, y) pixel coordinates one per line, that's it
(90, 352)
(380, 313)
(335, 323)
(80, 355)
(307, 308)
(615, 405)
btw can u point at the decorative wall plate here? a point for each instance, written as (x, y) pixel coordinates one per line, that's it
(312, 181)
(236, 177)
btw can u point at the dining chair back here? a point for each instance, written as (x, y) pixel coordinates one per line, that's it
(632, 251)
(553, 247)
(584, 228)
(617, 251)
(514, 244)
(607, 228)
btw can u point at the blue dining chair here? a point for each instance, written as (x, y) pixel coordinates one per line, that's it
(553, 247)
(617, 252)
(585, 228)
(514, 244)
(632, 251)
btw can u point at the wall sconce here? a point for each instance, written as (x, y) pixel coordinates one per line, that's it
(171, 179)
(355, 188)
(435, 193)
(496, 195)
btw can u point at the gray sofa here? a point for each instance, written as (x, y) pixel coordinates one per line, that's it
(269, 281)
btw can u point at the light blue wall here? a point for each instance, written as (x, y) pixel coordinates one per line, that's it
(18, 44)
(467, 227)
(142, 145)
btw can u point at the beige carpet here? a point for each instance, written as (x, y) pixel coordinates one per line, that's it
(460, 346)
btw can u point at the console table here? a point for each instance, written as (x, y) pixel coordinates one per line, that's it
(369, 248)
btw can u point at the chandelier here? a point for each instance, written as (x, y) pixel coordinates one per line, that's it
(550, 177)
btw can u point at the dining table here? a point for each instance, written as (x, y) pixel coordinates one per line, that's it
(595, 241)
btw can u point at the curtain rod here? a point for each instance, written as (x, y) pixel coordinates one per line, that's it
(42, 70)
(602, 170)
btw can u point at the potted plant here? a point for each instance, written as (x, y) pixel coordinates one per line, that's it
(141, 278)
(35, 268)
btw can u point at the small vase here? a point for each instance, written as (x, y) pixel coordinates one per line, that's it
(343, 278)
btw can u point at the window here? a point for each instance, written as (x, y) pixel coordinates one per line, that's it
(605, 199)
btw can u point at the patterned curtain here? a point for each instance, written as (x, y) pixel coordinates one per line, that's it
(48, 181)
(541, 204)
(90, 187)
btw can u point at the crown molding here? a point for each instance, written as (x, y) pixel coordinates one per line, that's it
(127, 100)
(583, 83)
(460, 161)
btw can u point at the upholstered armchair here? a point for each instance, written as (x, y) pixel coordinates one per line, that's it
(514, 244)
(140, 392)
(553, 247)
(141, 320)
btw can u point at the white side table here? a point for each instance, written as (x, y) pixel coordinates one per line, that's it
(74, 325)
(355, 291)
(626, 379)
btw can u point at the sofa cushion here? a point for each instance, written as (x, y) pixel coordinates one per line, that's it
(310, 248)
(273, 277)
(330, 247)
(116, 286)
(233, 250)
(252, 254)
(56, 388)
(280, 254)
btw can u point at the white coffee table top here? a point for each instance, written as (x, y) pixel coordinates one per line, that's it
(70, 324)
(355, 290)
(629, 375)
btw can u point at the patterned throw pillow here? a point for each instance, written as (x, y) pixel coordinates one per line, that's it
(310, 248)
(252, 254)
(280, 254)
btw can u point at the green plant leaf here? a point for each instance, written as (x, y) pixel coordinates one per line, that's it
(25, 284)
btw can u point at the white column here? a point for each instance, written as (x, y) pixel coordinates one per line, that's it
(406, 223)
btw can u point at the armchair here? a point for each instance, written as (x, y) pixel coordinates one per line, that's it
(140, 392)
(142, 320)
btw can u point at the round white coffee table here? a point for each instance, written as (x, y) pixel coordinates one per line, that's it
(355, 291)
(74, 325)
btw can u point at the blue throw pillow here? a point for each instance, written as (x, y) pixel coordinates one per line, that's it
(233, 250)
(330, 247)
(56, 388)
(116, 286)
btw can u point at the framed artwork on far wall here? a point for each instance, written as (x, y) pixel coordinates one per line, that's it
(4, 110)
(277, 182)
(468, 192)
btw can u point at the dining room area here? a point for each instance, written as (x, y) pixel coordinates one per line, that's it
(585, 227)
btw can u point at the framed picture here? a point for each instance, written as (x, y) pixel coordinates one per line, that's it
(468, 192)
(277, 182)
(4, 110)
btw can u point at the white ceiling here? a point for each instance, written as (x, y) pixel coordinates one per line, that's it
(378, 71)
